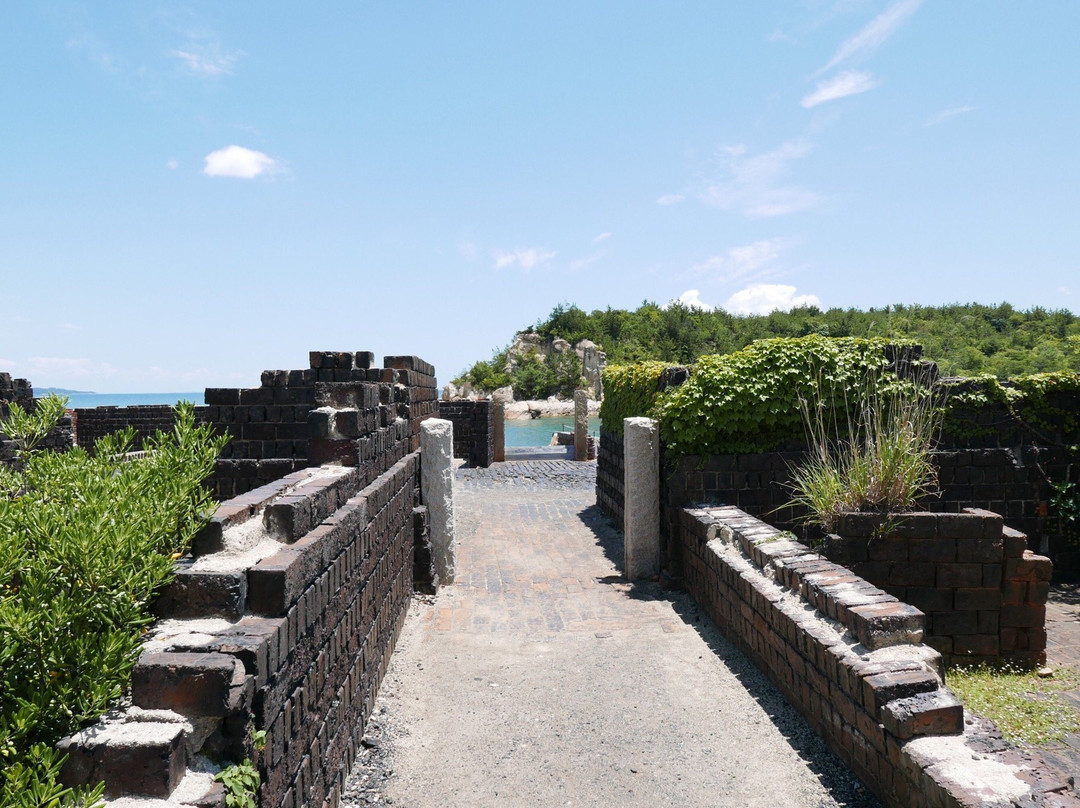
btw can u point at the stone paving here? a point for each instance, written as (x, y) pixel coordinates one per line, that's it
(1063, 649)
(542, 678)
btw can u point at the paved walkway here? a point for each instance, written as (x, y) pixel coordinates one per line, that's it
(1063, 649)
(541, 678)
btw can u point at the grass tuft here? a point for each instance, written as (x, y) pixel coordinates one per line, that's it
(1026, 707)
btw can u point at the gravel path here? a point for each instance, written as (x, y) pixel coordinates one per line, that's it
(541, 678)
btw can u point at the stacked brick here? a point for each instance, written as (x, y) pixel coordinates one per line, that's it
(310, 632)
(20, 391)
(849, 656)
(609, 476)
(983, 592)
(93, 423)
(474, 430)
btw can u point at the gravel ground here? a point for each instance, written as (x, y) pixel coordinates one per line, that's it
(541, 678)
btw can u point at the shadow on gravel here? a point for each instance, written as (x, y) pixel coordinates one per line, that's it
(841, 783)
(1065, 588)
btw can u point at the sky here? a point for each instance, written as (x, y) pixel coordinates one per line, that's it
(193, 192)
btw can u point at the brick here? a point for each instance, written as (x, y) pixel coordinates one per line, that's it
(1029, 567)
(936, 713)
(976, 598)
(1015, 542)
(968, 576)
(146, 758)
(992, 523)
(888, 548)
(202, 593)
(1023, 616)
(881, 625)
(938, 551)
(981, 551)
(194, 685)
(878, 689)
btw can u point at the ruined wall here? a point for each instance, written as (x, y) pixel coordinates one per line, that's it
(609, 476)
(20, 391)
(474, 430)
(849, 657)
(309, 577)
(93, 423)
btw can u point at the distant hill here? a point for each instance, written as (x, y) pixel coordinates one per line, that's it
(61, 391)
(964, 339)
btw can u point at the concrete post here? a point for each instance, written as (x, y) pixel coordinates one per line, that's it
(641, 487)
(499, 425)
(437, 492)
(581, 425)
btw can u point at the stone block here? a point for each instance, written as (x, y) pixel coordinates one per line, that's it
(191, 684)
(881, 625)
(966, 576)
(881, 688)
(202, 593)
(437, 491)
(641, 484)
(936, 713)
(289, 518)
(144, 758)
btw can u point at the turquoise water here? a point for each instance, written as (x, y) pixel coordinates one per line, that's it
(537, 431)
(86, 400)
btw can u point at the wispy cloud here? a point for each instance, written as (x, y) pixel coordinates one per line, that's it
(582, 263)
(467, 250)
(670, 199)
(527, 259)
(762, 298)
(850, 82)
(776, 35)
(236, 161)
(208, 65)
(691, 298)
(172, 164)
(602, 237)
(739, 263)
(952, 112)
(62, 367)
(874, 34)
(751, 184)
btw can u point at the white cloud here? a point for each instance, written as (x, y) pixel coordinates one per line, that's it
(62, 367)
(776, 35)
(762, 298)
(525, 258)
(952, 112)
(751, 184)
(850, 82)
(691, 298)
(173, 164)
(670, 199)
(873, 34)
(236, 161)
(740, 262)
(205, 58)
(582, 263)
(602, 237)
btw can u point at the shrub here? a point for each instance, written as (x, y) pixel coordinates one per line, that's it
(85, 541)
(878, 461)
(748, 401)
(630, 391)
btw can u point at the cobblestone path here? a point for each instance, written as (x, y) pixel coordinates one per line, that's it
(1063, 649)
(541, 678)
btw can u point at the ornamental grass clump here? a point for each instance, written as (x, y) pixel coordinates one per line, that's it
(86, 540)
(873, 456)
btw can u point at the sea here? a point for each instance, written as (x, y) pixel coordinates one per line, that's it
(531, 432)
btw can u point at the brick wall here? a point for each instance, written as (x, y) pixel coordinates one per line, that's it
(309, 574)
(609, 476)
(983, 592)
(849, 657)
(474, 430)
(93, 423)
(20, 391)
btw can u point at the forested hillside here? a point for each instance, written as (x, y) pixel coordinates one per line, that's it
(965, 340)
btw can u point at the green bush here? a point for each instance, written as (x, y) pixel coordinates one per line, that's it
(630, 391)
(748, 401)
(85, 542)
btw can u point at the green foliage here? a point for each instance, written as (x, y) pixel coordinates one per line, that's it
(1043, 403)
(241, 782)
(85, 541)
(965, 340)
(749, 401)
(1026, 707)
(487, 375)
(630, 391)
(882, 465)
(29, 428)
(1065, 505)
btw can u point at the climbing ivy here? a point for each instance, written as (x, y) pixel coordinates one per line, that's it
(1042, 403)
(630, 391)
(749, 401)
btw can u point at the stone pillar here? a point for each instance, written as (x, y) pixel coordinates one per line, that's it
(641, 487)
(437, 492)
(581, 425)
(499, 428)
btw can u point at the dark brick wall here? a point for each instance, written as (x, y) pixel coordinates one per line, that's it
(21, 392)
(982, 591)
(474, 430)
(609, 476)
(815, 629)
(94, 423)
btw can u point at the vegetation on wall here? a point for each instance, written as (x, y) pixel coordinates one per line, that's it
(965, 340)
(85, 541)
(630, 391)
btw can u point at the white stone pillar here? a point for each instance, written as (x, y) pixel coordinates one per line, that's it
(437, 492)
(581, 425)
(641, 494)
(499, 417)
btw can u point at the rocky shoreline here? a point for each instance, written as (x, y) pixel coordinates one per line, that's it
(548, 408)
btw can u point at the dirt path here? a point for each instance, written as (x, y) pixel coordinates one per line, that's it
(541, 678)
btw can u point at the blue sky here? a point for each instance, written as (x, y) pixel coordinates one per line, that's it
(193, 192)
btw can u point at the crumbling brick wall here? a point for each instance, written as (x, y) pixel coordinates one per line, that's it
(474, 430)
